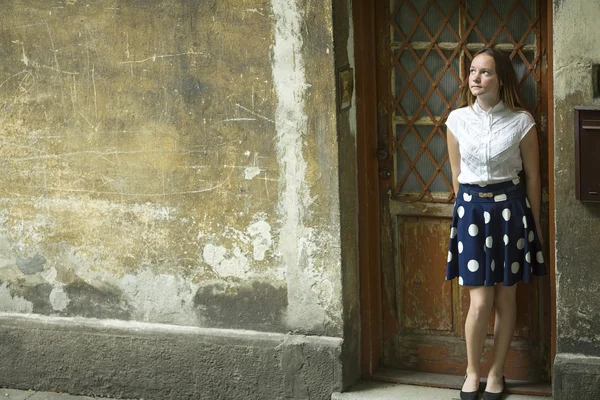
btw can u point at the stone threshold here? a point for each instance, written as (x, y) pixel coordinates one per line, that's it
(372, 390)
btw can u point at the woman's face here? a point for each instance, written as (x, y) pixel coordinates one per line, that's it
(483, 80)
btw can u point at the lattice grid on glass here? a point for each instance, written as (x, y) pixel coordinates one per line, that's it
(432, 44)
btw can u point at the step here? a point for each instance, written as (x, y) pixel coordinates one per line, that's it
(372, 390)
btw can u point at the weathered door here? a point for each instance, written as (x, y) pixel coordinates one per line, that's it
(422, 56)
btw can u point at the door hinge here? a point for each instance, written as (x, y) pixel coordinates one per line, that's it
(544, 63)
(543, 122)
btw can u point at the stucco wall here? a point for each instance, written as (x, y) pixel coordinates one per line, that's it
(577, 373)
(576, 38)
(170, 162)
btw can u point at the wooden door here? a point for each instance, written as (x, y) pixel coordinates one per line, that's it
(424, 48)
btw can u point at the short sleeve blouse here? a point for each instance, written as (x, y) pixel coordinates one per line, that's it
(489, 142)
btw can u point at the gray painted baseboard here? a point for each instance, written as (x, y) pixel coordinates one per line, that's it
(152, 361)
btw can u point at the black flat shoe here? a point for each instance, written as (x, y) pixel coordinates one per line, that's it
(468, 395)
(495, 396)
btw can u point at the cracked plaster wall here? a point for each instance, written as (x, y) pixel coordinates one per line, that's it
(171, 162)
(576, 38)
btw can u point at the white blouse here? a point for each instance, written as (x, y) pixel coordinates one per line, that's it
(489, 142)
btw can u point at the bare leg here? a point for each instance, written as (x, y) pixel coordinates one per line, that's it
(482, 299)
(505, 300)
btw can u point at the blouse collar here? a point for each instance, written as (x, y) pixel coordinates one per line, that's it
(492, 110)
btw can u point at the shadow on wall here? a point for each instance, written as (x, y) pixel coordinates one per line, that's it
(257, 306)
(85, 300)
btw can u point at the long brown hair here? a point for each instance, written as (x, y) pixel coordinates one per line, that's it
(509, 91)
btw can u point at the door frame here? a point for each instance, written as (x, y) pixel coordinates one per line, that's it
(367, 36)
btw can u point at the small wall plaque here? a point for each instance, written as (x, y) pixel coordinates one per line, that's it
(345, 87)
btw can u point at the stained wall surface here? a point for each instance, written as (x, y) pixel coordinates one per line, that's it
(577, 367)
(170, 162)
(577, 223)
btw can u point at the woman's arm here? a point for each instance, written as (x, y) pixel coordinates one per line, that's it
(531, 165)
(454, 156)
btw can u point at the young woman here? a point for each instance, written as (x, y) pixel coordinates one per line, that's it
(495, 238)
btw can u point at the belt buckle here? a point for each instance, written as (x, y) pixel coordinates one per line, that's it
(484, 195)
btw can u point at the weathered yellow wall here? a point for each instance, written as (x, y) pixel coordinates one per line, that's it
(171, 162)
(576, 38)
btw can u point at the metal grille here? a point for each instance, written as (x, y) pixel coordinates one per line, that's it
(432, 44)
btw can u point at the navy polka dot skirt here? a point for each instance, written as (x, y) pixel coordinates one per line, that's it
(493, 237)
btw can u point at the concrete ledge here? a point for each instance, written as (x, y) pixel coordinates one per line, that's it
(576, 377)
(11, 394)
(152, 361)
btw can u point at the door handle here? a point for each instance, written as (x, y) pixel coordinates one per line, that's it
(382, 154)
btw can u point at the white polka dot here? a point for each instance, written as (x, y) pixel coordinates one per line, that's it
(487, 217)
(527, 202)
(461, 282)
(506, 214)
(500, 197)
(531, 236)
(482, 184)
(453, 232)
(528, 257)
(473, 230)
(493, 265)
(460, 247)
(489, 241)
(449, 256)
(460, 211)
(524, 221)
(505, 239)
(539, 257)
(467, 197)
(473, 265)
(515, 267)
(516, 181)
(521, 244)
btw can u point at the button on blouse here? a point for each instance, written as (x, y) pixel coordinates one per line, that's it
(489, 142)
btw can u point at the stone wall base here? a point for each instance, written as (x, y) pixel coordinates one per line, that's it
(153, 361)
(576, 377)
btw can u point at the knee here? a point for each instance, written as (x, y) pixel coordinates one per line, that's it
(480, 309)
(505, 304)
(505, 300)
